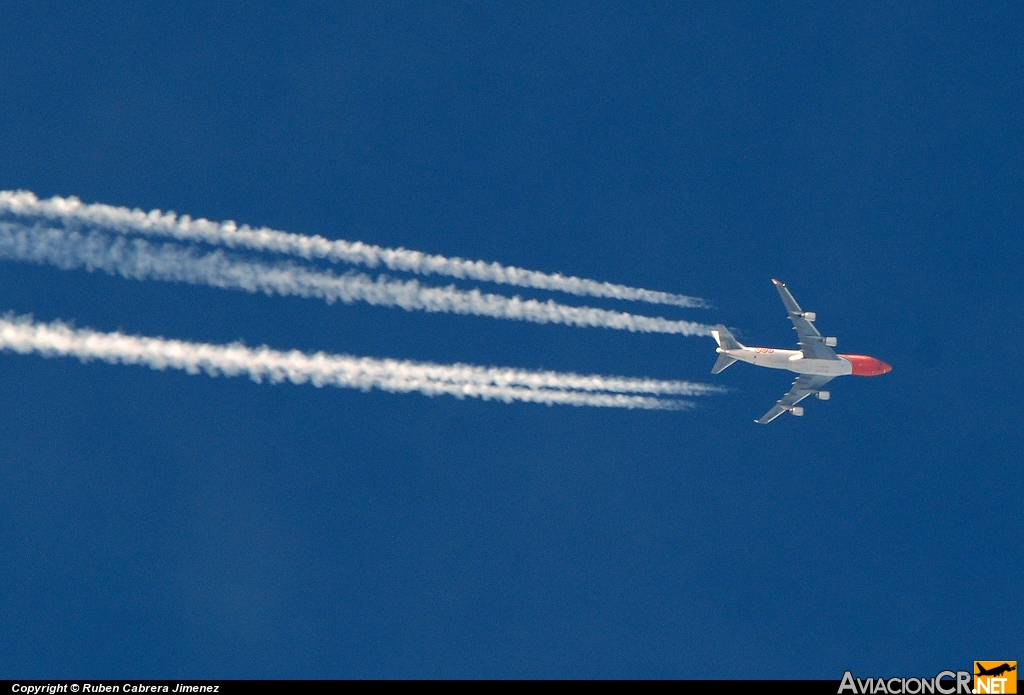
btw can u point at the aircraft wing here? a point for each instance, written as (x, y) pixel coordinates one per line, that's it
(804, 386)
(811, 342)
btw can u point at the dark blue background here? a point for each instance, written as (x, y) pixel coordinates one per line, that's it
(162, 525)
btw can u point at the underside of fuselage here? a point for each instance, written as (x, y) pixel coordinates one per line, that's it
(790, 360)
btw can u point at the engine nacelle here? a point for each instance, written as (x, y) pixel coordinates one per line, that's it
(797, 410)
(831, 341)
(823, 395)
(809, 315)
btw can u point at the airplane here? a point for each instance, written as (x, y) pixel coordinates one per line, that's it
(816, 362)
(996, 671)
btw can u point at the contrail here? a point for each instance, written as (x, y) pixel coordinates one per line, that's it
(23, 335)
(139, 259)
(72, 212)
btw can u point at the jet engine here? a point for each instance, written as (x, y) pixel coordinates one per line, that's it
(797, 410)
(831, 341)
(809, 315)
(823, 395)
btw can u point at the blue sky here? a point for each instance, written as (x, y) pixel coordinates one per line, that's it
(155, 524)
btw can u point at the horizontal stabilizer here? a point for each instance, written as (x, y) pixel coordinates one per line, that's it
(725, 339)
(723, 362)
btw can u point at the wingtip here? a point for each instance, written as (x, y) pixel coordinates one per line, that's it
(778, 282)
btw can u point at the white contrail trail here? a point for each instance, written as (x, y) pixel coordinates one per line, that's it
(143, 260)
(22, 335)
(72, 211)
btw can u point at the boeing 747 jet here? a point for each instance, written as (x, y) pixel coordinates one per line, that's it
(815, 361)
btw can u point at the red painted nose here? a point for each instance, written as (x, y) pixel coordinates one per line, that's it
(867, 366)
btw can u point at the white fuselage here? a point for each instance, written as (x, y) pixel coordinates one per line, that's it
(791, 360)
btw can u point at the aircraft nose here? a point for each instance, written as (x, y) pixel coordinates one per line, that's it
(863, 365)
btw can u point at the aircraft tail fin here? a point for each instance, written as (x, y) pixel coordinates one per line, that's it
(723, 362)
(725, 339)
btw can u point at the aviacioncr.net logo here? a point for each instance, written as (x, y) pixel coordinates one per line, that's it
(943, 683)
(995, 677)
